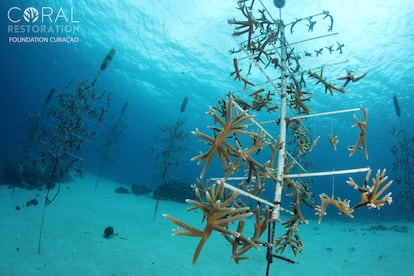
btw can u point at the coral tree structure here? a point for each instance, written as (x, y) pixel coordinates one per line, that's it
(253, 159)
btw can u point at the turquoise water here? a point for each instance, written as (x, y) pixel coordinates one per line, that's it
(169, 50)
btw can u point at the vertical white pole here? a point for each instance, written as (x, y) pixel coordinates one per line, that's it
(282, 150)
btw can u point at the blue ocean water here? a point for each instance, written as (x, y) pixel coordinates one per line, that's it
(168, 50)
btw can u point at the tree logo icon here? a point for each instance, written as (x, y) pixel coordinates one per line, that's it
(31, 15)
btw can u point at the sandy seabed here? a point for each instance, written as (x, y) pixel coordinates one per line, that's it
(73, 244)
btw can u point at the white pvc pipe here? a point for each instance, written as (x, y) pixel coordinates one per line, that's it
(300, 175)
(282, 125)
(326, 113)
(313, 38)
(256, 123)
(256, 198)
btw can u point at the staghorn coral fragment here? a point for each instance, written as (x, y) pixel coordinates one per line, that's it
(298, 96)
(236, 256)
(245, 26)
(191, 231)
(350, 77)
(218, 211)
(342, 206)
(361, 139)
(233, 124)
(328, 86)
(334, 141)
(236, 70)
(260, 226)
(370, 195)
(290, 239)
(314, 143)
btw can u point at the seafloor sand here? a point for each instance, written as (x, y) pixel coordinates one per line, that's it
(73, 242)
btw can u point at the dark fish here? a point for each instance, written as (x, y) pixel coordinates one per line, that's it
(124, 108)
(184, 104)
(50, 95)
(108, 59)
(396, 105)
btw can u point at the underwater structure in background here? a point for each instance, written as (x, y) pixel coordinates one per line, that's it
(111, 137)
(171, 144)
(60, 136)
(257, 155)
(403, 165)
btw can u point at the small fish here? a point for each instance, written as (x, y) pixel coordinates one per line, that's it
(396, 105)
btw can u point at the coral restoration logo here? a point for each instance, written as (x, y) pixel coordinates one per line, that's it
(42, 25)
(31, 15)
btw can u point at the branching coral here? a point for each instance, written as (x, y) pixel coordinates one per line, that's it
(245, 26)
(370, 196)
(290, 239)
(241, 246)
(361, 139)
(328, 86)
(351, 77)
(301, 136)
(334, 141)
(218, 213)
(259, 101)
(244, 158)
(270, 38)
(243, 145)
(219, 144)
(299, 194)
(236, 72)
(314, 143)
(256, 172)
(342, 205)
(298, 97)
